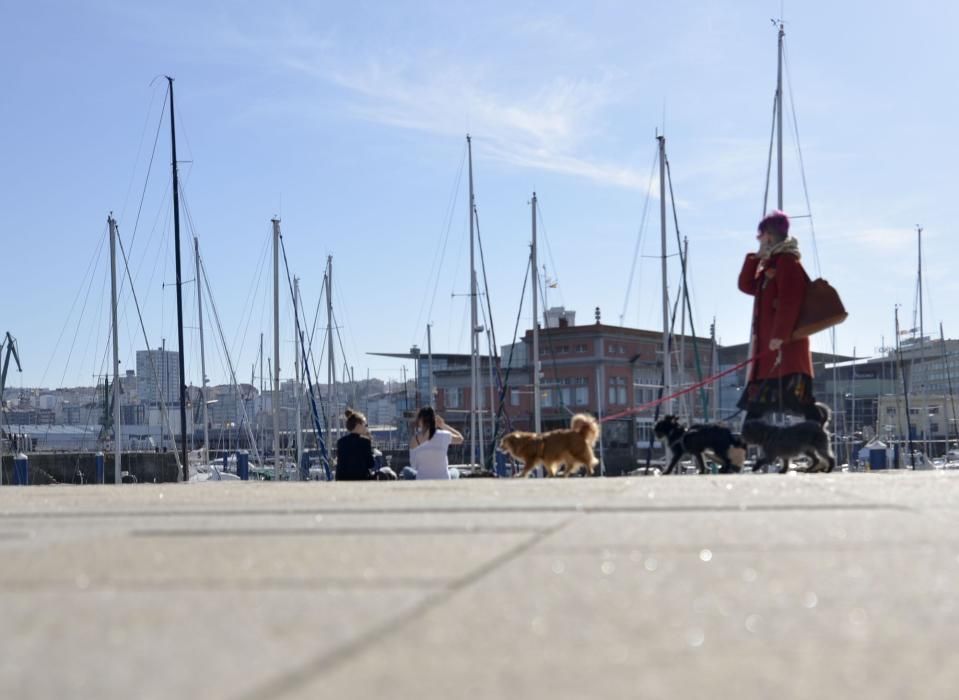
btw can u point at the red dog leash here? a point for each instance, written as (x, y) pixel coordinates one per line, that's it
(704, 382)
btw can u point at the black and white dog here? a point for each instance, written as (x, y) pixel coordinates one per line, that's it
(698, 439)
(808, 438)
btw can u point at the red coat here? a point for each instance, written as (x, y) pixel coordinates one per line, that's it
(779, 286)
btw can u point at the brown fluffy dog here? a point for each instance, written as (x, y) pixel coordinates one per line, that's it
(571, 447)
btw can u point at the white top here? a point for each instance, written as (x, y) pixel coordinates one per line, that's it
(429, 458)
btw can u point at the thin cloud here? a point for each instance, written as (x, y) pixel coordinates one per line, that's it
(549, 129)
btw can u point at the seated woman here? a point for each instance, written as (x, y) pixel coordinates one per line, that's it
(429, 444)
(354, 451)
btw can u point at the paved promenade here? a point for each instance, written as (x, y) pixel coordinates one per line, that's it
(765, 586)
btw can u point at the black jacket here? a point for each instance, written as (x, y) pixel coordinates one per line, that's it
(354, 458)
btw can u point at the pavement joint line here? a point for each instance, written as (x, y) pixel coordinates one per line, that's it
(309, 670)
(334, 531)
(768, 548)
(452, 510)
(255, 585)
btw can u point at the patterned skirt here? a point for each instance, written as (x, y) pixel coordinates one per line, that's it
(791, 393)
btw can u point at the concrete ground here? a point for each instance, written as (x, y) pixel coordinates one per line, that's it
(758, 586)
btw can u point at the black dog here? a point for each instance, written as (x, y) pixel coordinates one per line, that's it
(808, 438)
(696, 440)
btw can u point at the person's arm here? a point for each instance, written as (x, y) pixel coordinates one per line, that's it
(748, 283)
(368, 460)
(791, 281)
(457, 436)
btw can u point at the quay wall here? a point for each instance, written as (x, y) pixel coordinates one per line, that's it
(76, 468)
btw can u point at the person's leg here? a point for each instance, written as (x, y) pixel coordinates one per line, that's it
(754, 413)
(812, 411)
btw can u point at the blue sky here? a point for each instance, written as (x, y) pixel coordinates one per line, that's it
(348, 121)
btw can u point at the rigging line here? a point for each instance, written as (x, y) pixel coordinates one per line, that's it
(769, 157)
(93, 258)
(156, 376)
(802, 167)
(236, 385)
(347, 323)
(489, 306)
(163, 214)
(684, 291)
(662, 383)
(310, 357)
(339, 338)
(253, 293)
(143, 133)
(639, 239)
(501, 410)
(146, 181)
(549, 251)
(316, 314)
(552, 355)
(324, 453)
(93, 337)
(440, 253)
(76, 333)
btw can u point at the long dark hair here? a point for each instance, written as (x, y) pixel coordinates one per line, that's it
(428, 416)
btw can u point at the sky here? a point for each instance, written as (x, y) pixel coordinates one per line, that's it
(348, 122)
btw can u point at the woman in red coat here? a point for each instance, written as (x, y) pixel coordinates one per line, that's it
(781, 379)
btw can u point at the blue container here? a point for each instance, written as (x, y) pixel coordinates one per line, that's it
(21, 470)
(877, 459)
(100, 469)
(305, 467)
(500, 462)
(243, 465)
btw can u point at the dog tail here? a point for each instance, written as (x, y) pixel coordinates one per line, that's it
(587, 426)
(825, 415)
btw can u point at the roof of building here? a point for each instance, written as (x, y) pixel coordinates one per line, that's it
(41, 429)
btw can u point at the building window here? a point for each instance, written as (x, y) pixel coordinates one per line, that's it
(454, 398)
(582, 395)
(617, 391)
(513, 397)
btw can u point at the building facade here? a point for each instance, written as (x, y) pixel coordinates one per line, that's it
(158, 376)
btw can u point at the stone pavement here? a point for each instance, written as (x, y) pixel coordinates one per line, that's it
(753, 586)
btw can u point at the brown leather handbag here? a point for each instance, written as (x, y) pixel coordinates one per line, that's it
(821, 309)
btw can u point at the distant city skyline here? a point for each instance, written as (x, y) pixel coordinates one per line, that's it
(349, 124)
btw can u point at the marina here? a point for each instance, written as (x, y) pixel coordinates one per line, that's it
(425, 350)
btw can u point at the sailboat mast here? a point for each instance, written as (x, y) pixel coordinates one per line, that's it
(537, 398)
(922, 355)
(276, 348)
(203, 396)
(474, 370)
(116, 350)
(330, 366)
(905, 395)
(779, 119)
(952, 398)
(296, 388)
(429, 354)
(260, 409)
(667, 361)
(179, 288)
